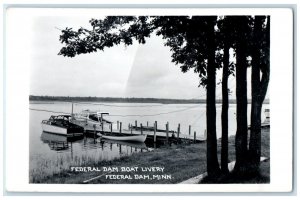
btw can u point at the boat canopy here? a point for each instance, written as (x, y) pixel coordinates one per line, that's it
(60, 117)
(93, 115)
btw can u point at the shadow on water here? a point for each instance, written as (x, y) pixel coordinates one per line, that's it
(61, 152)
(58, 142)
(88, 142)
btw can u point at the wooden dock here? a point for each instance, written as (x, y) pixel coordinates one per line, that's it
(153, 133)
(159, 135)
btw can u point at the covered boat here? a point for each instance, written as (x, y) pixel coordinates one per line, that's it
(62, 125)
(91, 120)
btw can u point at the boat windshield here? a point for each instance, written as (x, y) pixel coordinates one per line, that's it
(94, 117)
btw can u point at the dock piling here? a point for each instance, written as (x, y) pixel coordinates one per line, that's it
(189, 129)
(194, 136)
(120, 127)
(178, 131)
(141, 129)
(117, 125)
(167, 131)
(155, 127)
(94, 126)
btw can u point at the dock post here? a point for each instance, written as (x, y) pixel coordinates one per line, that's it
(147, 124)
(167, 131)
(94, 126)
(111, 128)
(135, 123)
(131, 128)
(189, 129)
(141, 129)
(178, 131)
(128, 126)
(72, 115)
(194, 136)
(117, 125)
(155, 127)
(120, 127)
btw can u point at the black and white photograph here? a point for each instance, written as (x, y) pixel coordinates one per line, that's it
(142, 97)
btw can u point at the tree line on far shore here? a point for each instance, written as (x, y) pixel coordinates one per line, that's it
(126, 100)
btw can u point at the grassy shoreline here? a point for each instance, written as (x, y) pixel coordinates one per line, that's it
(179, 163)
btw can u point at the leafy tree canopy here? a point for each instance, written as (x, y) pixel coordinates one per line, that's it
(188, 38)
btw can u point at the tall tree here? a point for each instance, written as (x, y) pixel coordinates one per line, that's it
(224, 114)
(212, 159)
(241, 46)
(195, 47)
(259, 83)
(225, 43)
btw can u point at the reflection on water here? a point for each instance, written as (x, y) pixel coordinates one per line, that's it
(62, 143)
(55, 142)
(60, 153)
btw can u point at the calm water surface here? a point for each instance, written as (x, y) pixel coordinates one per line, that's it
(48, 157)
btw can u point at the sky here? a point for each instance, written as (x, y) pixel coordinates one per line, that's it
(133, 71)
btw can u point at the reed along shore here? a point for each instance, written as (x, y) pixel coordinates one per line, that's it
(164, 165)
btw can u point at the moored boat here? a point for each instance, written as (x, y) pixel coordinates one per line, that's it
(61, 125)
(122, 137)
(91, 120)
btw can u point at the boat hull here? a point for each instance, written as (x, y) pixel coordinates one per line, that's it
(133, 138)
(59, 130)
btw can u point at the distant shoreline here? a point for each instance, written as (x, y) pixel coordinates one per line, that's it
(50, 99)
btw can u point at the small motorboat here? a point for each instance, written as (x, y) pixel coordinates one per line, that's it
(91, 120)
(61, 125)
(124, 137)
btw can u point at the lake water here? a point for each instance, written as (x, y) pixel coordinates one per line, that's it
(47, 157)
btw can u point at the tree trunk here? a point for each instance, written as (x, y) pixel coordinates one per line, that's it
(241, 98)
(259, 90)
(213, 168)
(224, 115)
